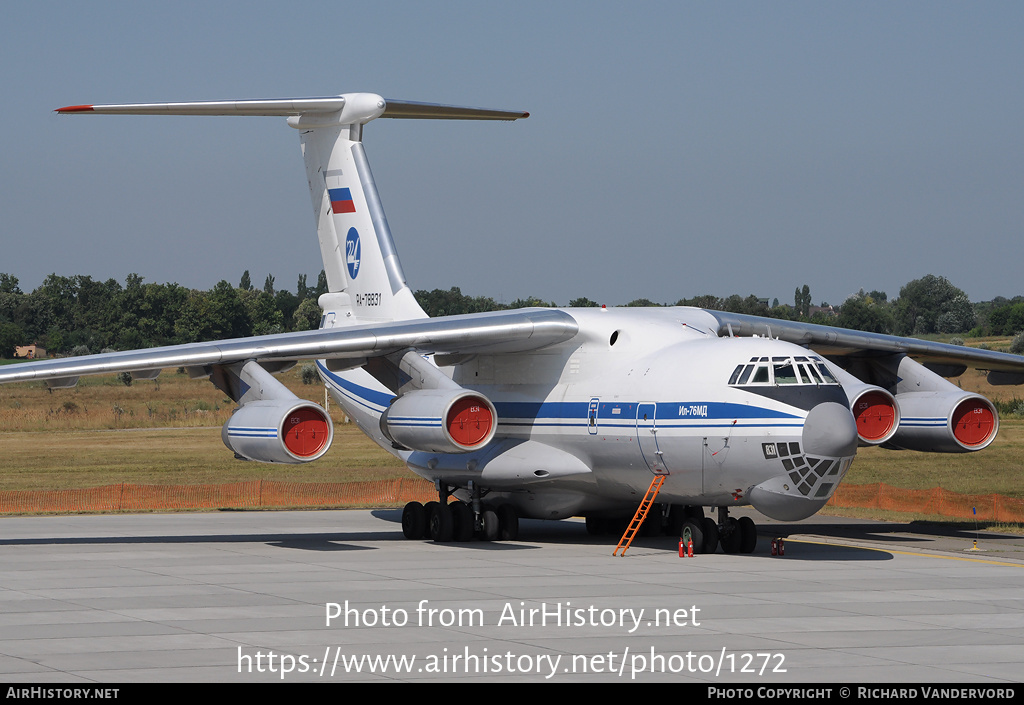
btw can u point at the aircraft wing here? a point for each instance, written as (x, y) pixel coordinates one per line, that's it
(496, 332)
(1004, 368)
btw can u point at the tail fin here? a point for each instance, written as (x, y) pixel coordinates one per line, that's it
(365, 280)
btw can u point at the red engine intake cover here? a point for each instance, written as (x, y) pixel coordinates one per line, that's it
(469, 421)
(306, 432)
(973, 422)
(875, 416)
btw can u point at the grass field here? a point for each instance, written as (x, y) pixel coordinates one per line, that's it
(163, 431)
(167, 431)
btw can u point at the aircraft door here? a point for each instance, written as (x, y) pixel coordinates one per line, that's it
(647, 437)
(592, 416)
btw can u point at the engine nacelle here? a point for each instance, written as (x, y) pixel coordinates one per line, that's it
(877, 414)
(945, 422)
(875, 410)
(279, 431)
(440, 420)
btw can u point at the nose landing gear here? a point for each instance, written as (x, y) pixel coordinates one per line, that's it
(738, 535)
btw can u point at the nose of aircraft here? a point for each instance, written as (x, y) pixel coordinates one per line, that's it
(830, 431)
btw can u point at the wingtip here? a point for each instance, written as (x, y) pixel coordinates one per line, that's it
(75, 109)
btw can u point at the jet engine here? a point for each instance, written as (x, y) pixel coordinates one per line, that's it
(932, 414)
(945, 422)
(440, 420)
(279, 431)
(875, 410)
(877, 414)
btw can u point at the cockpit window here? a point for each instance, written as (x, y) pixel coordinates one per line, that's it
(803, 370)
(785, 373)
(829, 378)
(809, 372)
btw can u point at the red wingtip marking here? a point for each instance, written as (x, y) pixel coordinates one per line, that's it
(74, 109)
(526, 115)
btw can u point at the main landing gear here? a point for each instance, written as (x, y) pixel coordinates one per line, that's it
(442, 521)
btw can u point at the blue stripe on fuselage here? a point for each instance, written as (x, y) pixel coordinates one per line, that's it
(550, 413)
(358, 393)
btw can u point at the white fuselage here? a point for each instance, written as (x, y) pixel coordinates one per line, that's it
(584, 425)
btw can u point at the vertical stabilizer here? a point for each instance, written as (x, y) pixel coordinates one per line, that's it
(364, 276)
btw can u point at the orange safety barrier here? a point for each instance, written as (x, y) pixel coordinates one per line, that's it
(377, 493)
(238, 495)
(936, 501)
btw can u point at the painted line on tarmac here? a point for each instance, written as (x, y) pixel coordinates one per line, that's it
(908, 553)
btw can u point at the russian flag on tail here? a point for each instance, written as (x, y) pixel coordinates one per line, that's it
(341, 200)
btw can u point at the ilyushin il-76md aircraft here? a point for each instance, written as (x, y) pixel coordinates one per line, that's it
(552, 413)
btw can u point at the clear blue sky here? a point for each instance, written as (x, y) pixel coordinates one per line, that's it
(674, 149)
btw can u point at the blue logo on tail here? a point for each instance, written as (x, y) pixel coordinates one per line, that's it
(352, 252)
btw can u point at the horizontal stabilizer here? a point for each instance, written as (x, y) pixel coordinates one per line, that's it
(362, 106)
(404, 109)
(216, 107)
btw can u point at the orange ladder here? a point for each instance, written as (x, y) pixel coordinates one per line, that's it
(641, 514)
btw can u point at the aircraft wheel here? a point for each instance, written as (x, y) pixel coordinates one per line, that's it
(462, 521)
(731, 539)
(441, 523)
(692, 531)
(428, 511)
(508, 523)
(710, 535)
(413, 520)
(490, 526)
(748, 535)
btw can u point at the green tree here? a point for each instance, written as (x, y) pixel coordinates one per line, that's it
(862, 312)
(709, 301)
(11, 335)
(531, 302)
(213, 315)
(306, 316)
(246, 283)
(921, 303)
(9, 284)
(957, 316)
(802, 301)
(286, 303)
(262, 313)
(321, 285)
(1006, 319)
(1017, 344)
(452, 302)
(193, 319)
(583, 302)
